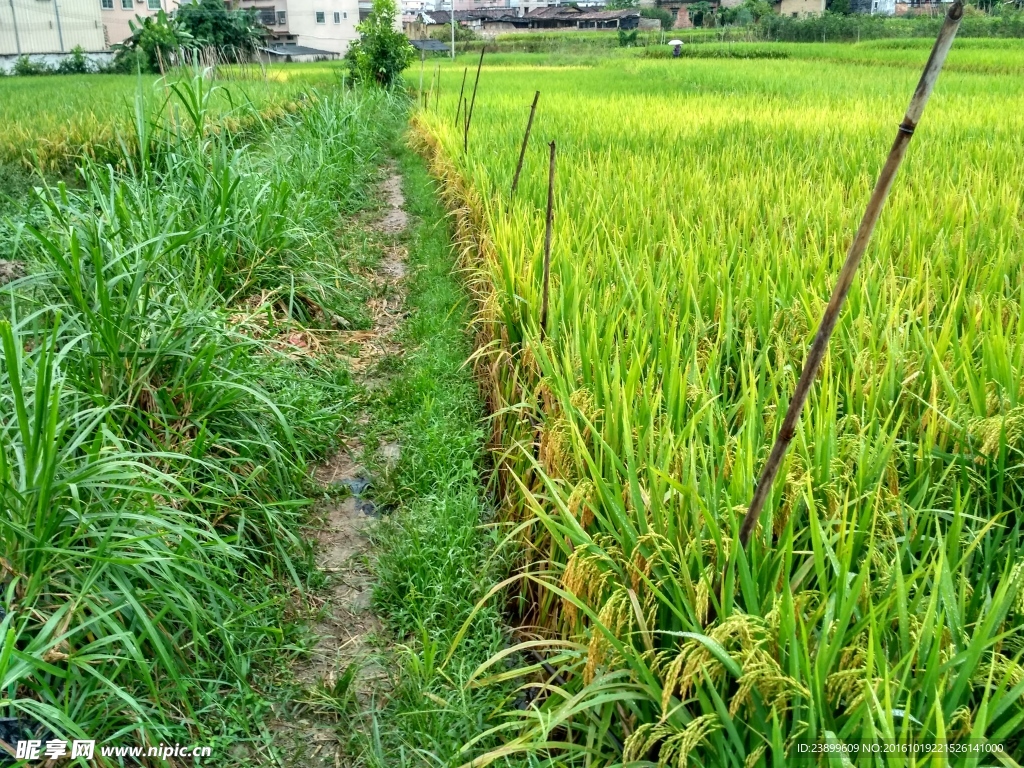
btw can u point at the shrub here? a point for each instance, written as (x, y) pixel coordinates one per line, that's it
(75, 64)
(128, 61)
(25, 66)
(462, 34)
(381, 53)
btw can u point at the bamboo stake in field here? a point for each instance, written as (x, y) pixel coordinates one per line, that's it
(547, 244)
(522, 151)
(423, 59)
(458, 109)
(472, 103)
(860, 242)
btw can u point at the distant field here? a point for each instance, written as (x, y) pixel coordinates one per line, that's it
(979, 55)
(45, 122)
(983, 56)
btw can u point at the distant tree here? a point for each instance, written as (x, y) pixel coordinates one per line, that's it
(660, 14)
(747, 12)
(842, 7)
(759, 8)
(152, 43)
(381, 53)
(235, 33)
(462, 34)
(618, 5)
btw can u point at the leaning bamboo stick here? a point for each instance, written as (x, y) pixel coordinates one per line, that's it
(522, 151)
(547, 244)
(458, 109)
(472, 103)
(860, 242)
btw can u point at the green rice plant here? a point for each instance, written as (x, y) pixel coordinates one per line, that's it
(48, 123)
(701, 211)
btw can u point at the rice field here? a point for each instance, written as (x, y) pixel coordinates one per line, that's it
(702, 209)
(46, 122)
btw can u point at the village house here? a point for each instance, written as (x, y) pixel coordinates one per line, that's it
(680, 9)
(47, 30)
(626, 18)
(487, 22)
(897, 8)
(799, 9)
(304, 30)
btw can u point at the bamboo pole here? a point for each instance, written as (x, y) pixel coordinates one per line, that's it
(522, 151)
(547, 244)
(423, 59)
(472, 103)
(462, 90)
(860, 242)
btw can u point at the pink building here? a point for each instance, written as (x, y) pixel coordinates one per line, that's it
(115, 15)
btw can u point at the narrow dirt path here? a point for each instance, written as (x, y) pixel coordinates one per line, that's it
(341, 667)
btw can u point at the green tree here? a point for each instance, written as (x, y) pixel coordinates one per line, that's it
(749, 11)
(660, 14)
(151, 44)
(234, 33)
(381, 53)
(462, 34)
(841, 7)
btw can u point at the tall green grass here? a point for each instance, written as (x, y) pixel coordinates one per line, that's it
(156, 425)
(701, 212)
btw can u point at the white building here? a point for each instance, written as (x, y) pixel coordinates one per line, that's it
(310, 28)
(50, 26)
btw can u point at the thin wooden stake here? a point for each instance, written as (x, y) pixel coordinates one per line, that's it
(458, 109)
(522, 151)
(472, 103)
(423, 58)
(547, 245)
(853, 258)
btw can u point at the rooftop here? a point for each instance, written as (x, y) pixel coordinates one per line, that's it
(290, 49)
